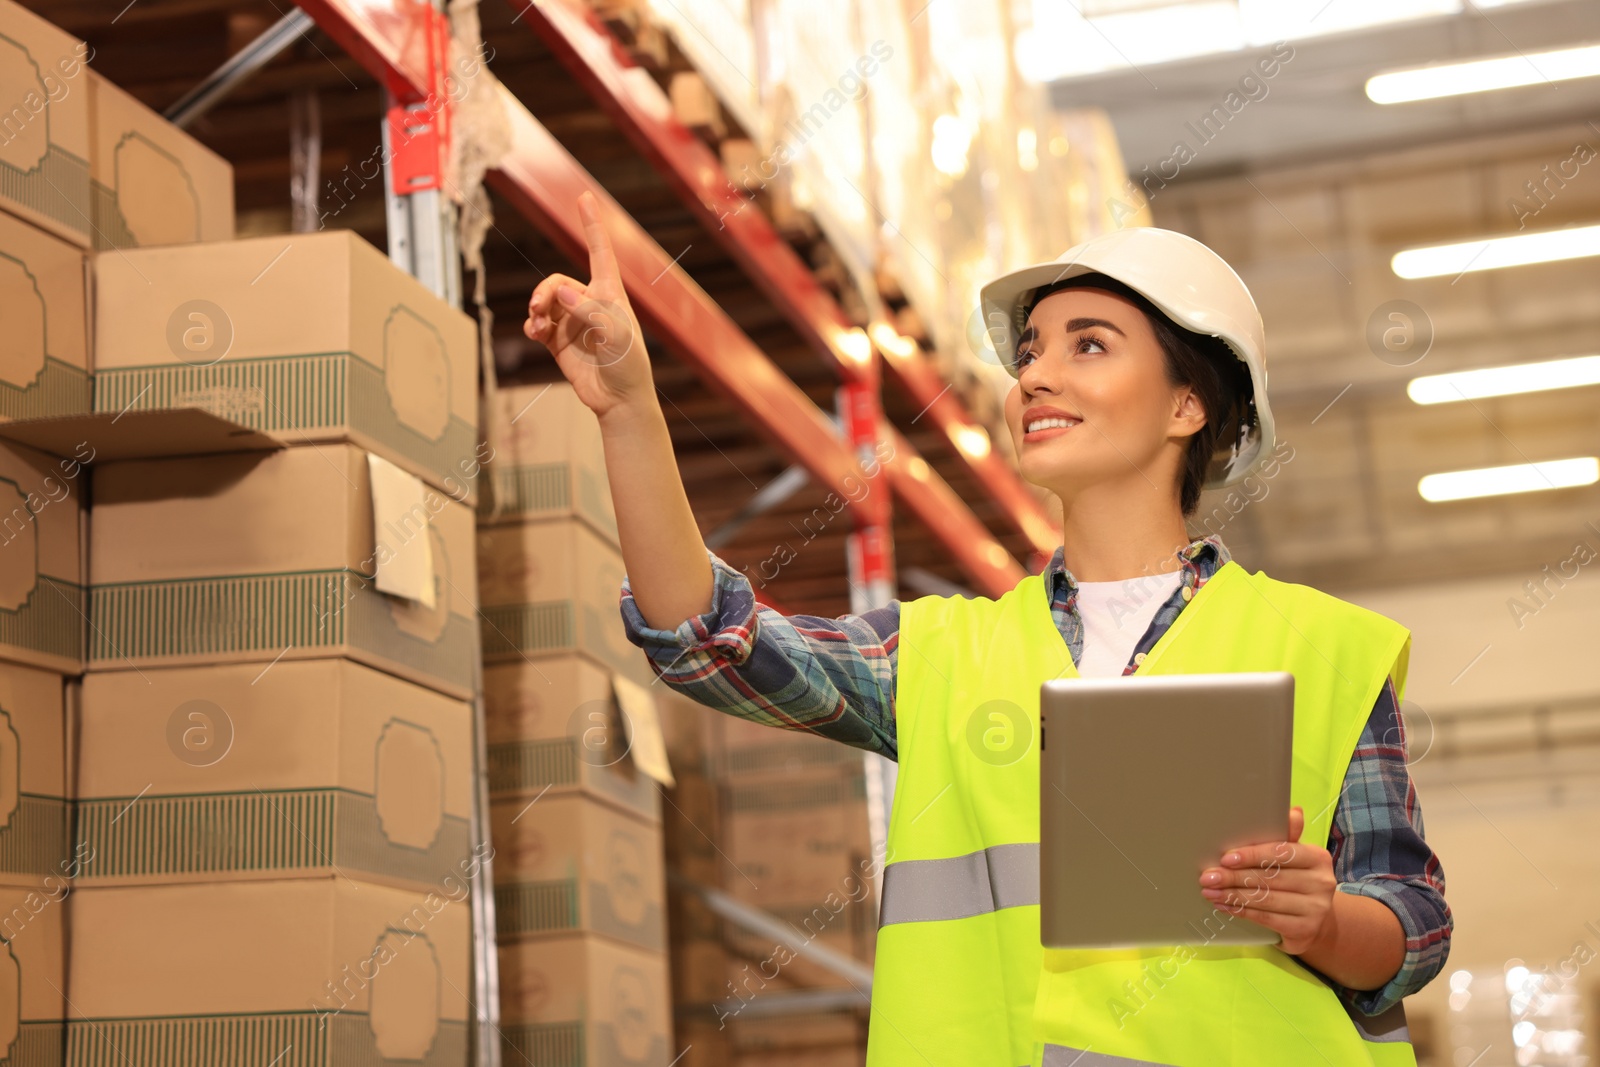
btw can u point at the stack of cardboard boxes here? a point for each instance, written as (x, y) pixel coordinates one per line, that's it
(777, 820)
(41, 647)
(692, 826)
(275, 765)
(573, 742)
(260, 799)
(44, 370)
(796, 835)
(44, 217)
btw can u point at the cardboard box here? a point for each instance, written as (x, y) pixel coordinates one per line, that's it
(553, 723)
(833, 1039)
(688, 729)
(797, 838)
(548, 463)
(700, 972)
(152, 184)
(34, 839)
(33, 960)
(44, 364)
(265, 555)
(553, 587)
(705, 1043)
(584, 999)
(846, 924)
(44, 124)
(339, 973)
(312, 337)
(569, 863)
(310, 768)
(43, 608)
(740, 749)
(691, 828)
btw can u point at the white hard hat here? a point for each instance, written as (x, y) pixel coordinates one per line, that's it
(1190, 283)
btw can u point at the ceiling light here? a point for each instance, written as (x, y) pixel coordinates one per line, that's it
(1483, 75)
(893, 341)
(855, 345)
(1505, 381)
(973, 440)
(1027, 148)
(951, 140)
(1492, 253)
(1517, 478)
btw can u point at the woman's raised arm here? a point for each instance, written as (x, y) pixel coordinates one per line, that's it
(595, 337)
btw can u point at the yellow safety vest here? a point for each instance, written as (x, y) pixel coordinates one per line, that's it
(961, 978)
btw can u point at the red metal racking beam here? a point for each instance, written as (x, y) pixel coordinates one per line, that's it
(971, 441)
(389, 38)
(578, 39)
(543, 181)
(988, 565)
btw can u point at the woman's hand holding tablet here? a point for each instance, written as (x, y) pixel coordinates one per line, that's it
(1286, 886)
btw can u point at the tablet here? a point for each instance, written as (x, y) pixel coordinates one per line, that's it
(1143, 783)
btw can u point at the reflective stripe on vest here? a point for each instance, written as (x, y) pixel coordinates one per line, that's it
(960, 976)
(1386, 1026)
(1001, 876)
(1062, 1056)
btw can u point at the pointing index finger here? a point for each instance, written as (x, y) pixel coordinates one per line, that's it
(602, 260)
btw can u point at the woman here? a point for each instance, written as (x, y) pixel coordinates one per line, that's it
(1140, 380)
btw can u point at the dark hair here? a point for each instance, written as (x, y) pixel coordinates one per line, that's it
(1219, 378)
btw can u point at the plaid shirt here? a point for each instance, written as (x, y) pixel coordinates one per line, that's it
(836, 677)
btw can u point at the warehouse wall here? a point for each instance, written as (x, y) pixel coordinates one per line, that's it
(1501, 595)
(1314, 242)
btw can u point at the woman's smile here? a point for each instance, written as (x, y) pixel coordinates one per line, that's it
(1044, 423)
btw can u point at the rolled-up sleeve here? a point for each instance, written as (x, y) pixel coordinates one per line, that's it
(1379, 851)
(832, 676)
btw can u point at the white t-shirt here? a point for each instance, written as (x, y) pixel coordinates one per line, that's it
(1115, 615)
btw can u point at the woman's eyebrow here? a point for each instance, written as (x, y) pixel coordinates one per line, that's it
(1073, 325)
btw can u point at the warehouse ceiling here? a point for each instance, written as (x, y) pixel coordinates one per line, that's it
(1308, 190)
(1314, 104)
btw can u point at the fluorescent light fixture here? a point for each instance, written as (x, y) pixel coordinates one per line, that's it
(1517, 478)
(1492, 253)
(1505, 381)
(1122, 35)
(1174, 31)
(1483, 75)
(1123, 40)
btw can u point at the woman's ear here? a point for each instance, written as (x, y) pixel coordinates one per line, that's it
(1188, 415)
